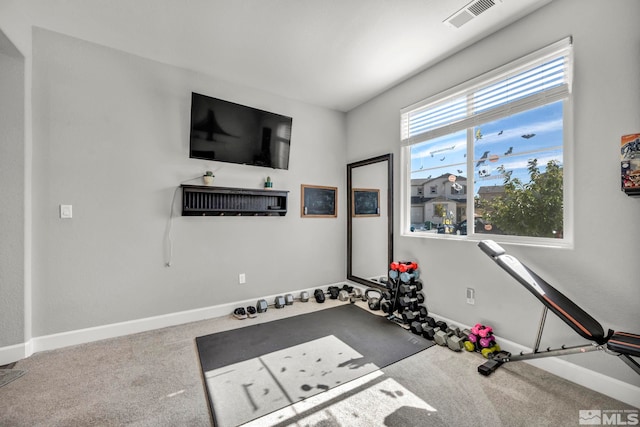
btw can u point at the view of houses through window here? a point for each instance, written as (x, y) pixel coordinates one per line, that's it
(505, 153)
(489, 157)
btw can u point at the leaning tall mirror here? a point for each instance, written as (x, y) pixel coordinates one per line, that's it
(370, 219)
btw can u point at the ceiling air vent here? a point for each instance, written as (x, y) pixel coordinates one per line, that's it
(470, 11)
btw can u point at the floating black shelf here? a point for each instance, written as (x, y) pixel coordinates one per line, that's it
(204, 200)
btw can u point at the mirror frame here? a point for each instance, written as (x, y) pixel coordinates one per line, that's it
(379, 159)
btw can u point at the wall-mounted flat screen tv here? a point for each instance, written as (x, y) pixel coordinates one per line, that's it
(228, 132)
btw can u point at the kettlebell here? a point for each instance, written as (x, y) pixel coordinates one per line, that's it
(373, 301)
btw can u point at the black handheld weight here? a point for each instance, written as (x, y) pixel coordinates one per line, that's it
(318, 294)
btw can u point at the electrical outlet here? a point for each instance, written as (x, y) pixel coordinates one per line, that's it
(471, 296)
(66, 211)
(242, 278)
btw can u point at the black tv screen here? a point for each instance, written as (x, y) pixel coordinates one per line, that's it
(228, 132)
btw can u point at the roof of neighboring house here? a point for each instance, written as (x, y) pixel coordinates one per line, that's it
(491, 189)
(419, 200)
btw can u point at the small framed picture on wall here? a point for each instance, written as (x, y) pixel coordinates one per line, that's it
(365, 202)
(318, 201)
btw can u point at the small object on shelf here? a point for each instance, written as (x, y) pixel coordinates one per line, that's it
(268, 184)
(208, 177)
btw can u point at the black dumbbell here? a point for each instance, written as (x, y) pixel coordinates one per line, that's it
(412, 288)
(418, 312)
(333, 291)
(318, 294)
(387, 307)
(406, 301)
(430, 321)
(424, 323)
(407, 291)
(347, 288)
(416, 327)
(410, 316)
(429, 332)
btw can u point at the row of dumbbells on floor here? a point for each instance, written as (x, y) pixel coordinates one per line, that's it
(345, 293)
(480, 338)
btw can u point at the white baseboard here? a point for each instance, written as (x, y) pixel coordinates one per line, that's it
(593, 380)
(612, 387)
(17, 352)
(13, 353)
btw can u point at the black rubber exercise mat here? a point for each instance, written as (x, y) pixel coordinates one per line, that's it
(255, 370)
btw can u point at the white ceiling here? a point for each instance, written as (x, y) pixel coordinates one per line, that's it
(332, 53)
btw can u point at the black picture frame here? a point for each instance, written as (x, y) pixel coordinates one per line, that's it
(365, 202)
(318, 201)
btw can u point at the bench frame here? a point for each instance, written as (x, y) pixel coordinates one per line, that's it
(563, 307)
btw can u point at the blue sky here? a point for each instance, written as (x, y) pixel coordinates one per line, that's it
(508, 142)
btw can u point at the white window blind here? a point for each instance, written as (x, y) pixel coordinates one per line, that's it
(534, 80)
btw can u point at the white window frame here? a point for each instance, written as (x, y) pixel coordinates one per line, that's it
(468, 123)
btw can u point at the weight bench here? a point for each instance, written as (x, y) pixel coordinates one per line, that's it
(621, 344)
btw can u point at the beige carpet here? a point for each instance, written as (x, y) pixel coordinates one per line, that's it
(154, 379)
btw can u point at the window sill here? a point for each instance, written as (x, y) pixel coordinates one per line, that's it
(498, 238)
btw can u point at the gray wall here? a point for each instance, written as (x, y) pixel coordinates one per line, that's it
(601, 272)
(110, 137)
(12, 177)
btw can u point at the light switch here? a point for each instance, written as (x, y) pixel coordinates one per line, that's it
(66, 211)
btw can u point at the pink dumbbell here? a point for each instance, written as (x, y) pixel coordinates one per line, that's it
(486, 331)
(487, 341)
(476, 328)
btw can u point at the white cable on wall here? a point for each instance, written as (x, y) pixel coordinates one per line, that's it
(169, 239)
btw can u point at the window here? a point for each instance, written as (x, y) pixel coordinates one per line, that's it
(496, 149)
